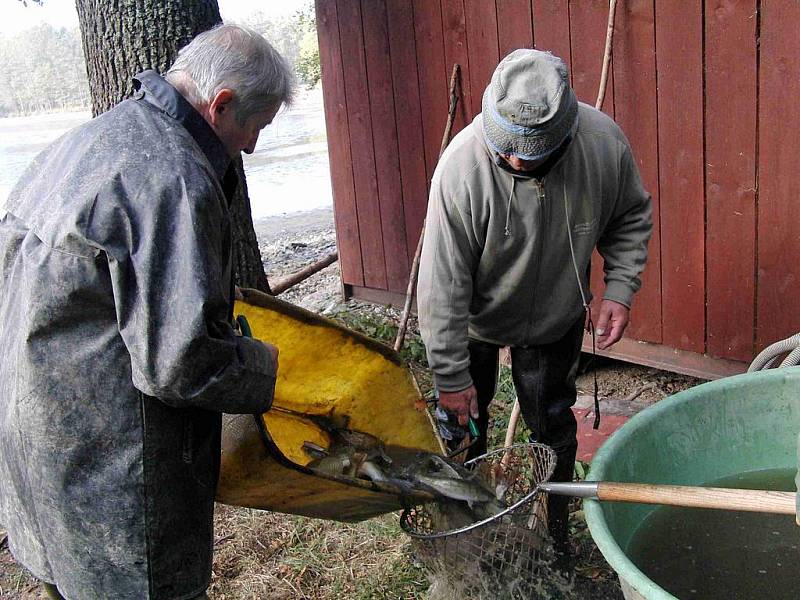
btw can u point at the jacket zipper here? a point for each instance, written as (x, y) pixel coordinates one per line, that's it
(541, 196)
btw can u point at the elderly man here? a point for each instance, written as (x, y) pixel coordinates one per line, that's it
(115, 328)
(518, 202)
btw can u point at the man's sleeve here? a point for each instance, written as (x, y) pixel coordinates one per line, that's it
(166, 265)
(623, 244)
(445, 291)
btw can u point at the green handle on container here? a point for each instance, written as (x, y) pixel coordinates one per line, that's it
(244, 326)
(473, 429)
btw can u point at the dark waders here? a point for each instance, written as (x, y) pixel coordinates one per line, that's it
(544, 380)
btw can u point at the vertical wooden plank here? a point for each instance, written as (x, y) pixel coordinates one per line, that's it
(778, 167)
(588, 22)
(514, 25)
(482, 46)
(385, 143)
(408, 116)
(636, 112)
(344, 197)
(679, 60)
(551, 27)
(432, 77)
(454, 25)
(730, 177)
(351, 36)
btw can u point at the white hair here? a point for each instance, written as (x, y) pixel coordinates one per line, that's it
(236, 58)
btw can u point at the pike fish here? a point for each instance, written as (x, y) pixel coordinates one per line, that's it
(463, 496)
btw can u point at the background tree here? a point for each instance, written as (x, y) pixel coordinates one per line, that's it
(42, 71)
(124, 37)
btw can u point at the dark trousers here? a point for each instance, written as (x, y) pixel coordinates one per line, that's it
(544, 379)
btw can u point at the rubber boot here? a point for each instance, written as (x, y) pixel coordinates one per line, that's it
(52, 591)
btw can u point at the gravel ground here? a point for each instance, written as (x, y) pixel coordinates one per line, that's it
(290, 242)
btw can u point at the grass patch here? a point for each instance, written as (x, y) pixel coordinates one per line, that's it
(269, 555)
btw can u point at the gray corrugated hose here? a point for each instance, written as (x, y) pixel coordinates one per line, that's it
(771, 353)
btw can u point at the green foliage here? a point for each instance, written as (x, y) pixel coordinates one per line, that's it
(295, 37)
(500, 412)
(581, 470)
(43, 70)
(308, 67)
(381, 329)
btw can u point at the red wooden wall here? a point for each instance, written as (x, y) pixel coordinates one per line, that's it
(710, 113)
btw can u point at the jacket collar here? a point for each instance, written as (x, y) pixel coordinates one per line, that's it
(154, 89)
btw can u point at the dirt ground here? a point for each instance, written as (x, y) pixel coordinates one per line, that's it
(263, 555)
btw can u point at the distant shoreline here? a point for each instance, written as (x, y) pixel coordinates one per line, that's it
(53, 114)
(293, 222)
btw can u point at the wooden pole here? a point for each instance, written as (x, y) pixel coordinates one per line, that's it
(285, 283)
(601, 93)
(412, 278)
(511, 432)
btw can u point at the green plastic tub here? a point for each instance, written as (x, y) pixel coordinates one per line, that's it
(743, 423)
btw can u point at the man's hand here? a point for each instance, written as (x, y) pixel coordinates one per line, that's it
(463, 403)
(273, 351)
(611, 323)
(237, 293)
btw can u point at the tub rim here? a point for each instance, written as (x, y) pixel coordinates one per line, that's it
(595, 519)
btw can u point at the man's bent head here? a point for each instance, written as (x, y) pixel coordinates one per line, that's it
(529, 108)
(236, 80)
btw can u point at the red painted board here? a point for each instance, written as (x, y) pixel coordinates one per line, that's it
(636, 112)
(344, 196)
(385, 143)
(731, 89)
(454, 27)
(351, 36)
(590, 440)
(551, 27)
(433, 77)
(588, 27)
(778, 168)
(481, 46)
(409, 119)
(514, 25)
(679, 62)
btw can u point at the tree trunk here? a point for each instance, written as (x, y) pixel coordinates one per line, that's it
(122, 38)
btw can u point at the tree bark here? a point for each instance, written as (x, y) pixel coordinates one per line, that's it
(122, 38)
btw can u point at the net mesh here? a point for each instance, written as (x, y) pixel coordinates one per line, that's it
(501, 556)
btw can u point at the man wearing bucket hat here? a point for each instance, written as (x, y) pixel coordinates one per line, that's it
(518, 202)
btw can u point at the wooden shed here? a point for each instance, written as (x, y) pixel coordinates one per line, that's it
(707, 93)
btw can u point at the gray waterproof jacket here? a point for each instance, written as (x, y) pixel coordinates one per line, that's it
(118, 356)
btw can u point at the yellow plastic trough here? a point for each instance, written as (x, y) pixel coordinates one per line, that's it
(327, 370)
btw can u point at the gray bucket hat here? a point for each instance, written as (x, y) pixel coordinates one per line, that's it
(529, 108)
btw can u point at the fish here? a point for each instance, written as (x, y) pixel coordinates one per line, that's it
(465, 499)
(465, 490)
(331, 465)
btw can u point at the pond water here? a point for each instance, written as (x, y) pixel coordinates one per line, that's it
(288, 172)
(701, 553)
